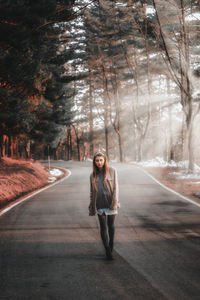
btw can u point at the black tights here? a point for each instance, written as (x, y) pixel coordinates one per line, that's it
(108, 242)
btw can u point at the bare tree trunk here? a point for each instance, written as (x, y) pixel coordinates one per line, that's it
(182, 137)
(105, 104)
(17, 147)
(118, 112)
(170, 148)
(140, 144)
(189, 138)
(106, 126)
(190, 149)
(181, 75)
(69, 144)
(134, 143)
(120, 146)
(1, 146)
(91, 119)
(9, 144)
(106, 139)
(188, 109)
(78, 149)
(116, 122)
(77, 141)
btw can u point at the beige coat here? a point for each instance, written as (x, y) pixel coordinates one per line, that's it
(111, 185)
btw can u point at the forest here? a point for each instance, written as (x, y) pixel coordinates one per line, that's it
(116, 76)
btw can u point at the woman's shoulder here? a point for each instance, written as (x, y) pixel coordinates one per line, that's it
(112, 170)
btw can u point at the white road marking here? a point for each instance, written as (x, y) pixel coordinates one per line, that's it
(169, 189)
(30, 196)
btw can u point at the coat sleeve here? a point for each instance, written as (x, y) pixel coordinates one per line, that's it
(91, 190)
(115, 202)
(91, 205)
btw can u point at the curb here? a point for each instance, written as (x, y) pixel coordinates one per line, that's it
(5, 210)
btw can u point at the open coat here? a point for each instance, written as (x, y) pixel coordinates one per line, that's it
(112, 187)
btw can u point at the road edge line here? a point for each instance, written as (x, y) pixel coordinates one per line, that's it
(169, 189)
(5, 210)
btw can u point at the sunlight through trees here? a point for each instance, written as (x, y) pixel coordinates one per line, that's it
(118, 76)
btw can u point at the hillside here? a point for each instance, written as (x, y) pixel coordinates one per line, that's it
(19, 177)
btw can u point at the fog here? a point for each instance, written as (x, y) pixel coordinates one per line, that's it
(142, 101)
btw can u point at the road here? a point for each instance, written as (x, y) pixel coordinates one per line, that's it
(50, 248)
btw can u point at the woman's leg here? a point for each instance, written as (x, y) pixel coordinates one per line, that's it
(104, 235)
(111, 230)
(103, 230)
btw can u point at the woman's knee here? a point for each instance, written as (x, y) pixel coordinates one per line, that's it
(102, 221)
(111, 220)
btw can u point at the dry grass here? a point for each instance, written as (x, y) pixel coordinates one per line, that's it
(19, 177)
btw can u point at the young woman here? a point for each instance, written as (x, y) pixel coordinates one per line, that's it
(104, 199)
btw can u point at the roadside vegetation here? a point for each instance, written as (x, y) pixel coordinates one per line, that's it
(117, 76)
(20, 177)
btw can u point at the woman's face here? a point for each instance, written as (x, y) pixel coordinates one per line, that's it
(99, 162)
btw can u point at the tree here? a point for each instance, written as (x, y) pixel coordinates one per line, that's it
(28, 57)
(177, 43)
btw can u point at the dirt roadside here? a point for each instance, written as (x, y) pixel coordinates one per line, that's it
(23, 177)
(189, 187)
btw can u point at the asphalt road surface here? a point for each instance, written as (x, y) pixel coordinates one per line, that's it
(51, 249)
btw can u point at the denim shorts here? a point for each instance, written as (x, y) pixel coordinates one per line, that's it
(106, 211)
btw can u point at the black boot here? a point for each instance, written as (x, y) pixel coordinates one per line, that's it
(109, 254)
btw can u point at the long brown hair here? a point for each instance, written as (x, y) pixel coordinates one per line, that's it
(96, 169)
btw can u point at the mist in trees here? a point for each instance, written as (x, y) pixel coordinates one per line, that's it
(118, 76)
(143, 58)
